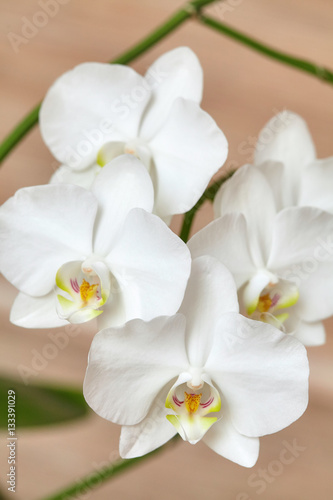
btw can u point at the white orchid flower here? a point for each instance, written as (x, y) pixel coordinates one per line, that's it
(75, 254)
(286, 155)
(207, 373)
(281, 259)
(97, 111)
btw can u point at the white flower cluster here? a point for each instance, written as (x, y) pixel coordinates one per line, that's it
(205, 339)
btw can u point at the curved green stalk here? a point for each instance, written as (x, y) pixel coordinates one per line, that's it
(95, 479)
(19, 132)
(301, 64)
(209, 194)
(190, 9)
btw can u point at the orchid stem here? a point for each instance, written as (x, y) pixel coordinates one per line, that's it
(302, 64)
(190, 9)
(209, 194)
(95, 479)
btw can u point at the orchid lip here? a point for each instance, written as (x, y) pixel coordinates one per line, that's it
(190, 409)
(270, 301)
(135, 147)
(84, 287)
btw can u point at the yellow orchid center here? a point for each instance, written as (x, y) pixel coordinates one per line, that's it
(82, 289)
(273, 303)
(190, 410)
(264, 303)
(87, 291)
(192, 402)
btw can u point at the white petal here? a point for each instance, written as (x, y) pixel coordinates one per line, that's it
(316, 185)
(83, 178)
(224, 439)
(42, 227)
(261, 372)
(114, 311)
(210, 292)
(248, 192)
(310, 334)
(274, 173)
(176, 73)
(128, 366)
(299, 236)
(90, 105)
(187, 151)
(286, 139)
(152, 266)
(122, 184)
(316, 290)
(227, 240)
(151, 433)
(36, 312)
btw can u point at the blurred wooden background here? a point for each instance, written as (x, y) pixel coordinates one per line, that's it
(242, 91)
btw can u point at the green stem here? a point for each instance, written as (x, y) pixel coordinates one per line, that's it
(209, 194)
(302, 64)
(95, 479)
(189, 10)
(19, 132)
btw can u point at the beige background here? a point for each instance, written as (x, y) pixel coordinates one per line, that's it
(242, 91)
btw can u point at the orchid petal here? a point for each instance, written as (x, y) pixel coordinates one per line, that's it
(299, 235)
(41, 228)
(315, 289)
(274, 173)
(122, 184)
(226, 239)
(176, 73)
(188, 149)
(286, 139)
(316, 184)
(249, 193)
(129, 365)
(224, 439)
(151, 433)
(152, 266)
(90, 105)
(114, 311)
(261, 373)
(210, 292)
(310, 334)
(36, 312)
(83, 178)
